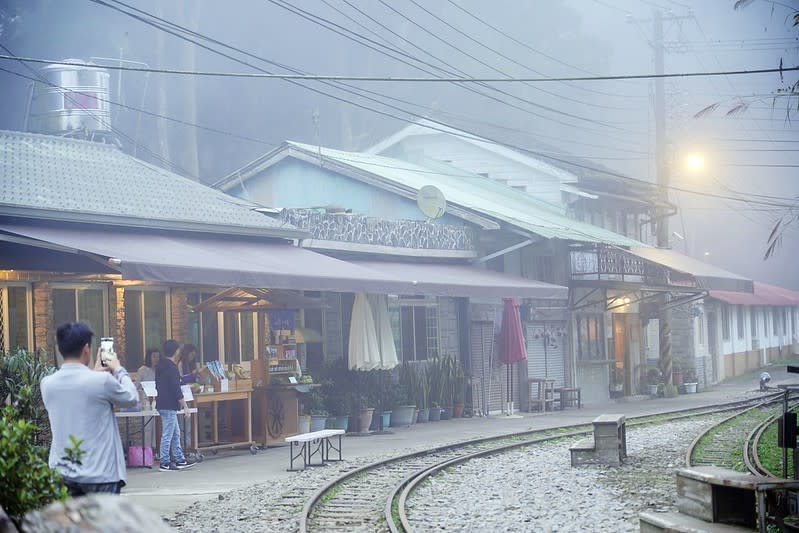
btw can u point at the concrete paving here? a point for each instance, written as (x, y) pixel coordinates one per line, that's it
(169, 492)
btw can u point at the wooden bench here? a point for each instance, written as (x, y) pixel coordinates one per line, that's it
(307, 445)
(607, 446)
(568, 395)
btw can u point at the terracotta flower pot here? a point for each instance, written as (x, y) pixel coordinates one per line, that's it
(457, 410)
(365, 419)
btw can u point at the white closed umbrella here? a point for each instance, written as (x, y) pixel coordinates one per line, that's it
(385, 336)
(364, 350)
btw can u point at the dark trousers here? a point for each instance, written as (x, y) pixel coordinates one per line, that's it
(84, 489)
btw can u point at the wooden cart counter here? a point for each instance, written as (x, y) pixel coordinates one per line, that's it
(276, 409)
(213, 399)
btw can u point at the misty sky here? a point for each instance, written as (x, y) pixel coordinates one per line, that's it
(607, 123)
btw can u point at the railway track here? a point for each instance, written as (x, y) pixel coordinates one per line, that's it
(733, 442)
(372, 497)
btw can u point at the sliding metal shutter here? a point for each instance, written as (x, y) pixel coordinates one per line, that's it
(488, 377)
(549, 362)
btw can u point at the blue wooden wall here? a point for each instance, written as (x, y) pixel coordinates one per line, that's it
(292, 183)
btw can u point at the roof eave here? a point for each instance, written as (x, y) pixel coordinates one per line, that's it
(252, 168)
(374, 179)
(133, 222)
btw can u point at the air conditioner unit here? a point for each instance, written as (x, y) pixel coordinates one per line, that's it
(755, 344)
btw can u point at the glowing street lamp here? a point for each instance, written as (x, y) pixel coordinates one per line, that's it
(695, 162)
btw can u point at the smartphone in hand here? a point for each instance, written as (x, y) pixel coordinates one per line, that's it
(106, 350)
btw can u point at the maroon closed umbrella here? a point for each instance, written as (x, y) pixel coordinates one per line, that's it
(511, 343)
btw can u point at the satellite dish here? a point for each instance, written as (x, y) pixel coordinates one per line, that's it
(431, 201)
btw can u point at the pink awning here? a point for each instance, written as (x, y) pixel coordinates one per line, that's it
(763, 295)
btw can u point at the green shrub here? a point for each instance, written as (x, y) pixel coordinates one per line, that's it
(23, 369)
(27, 480)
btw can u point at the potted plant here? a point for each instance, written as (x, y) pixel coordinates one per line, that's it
(439, 379)
(336, 383)
(364, 413)
(652, 380)
(448, 385)
(458, 391)
(403, 408)
(422, 394)
(677, 377)
(314, 405)
(690, 381)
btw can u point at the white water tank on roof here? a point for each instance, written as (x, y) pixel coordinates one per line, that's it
(72, 100)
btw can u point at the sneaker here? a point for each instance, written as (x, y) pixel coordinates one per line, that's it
(185, 463)
(169, 467)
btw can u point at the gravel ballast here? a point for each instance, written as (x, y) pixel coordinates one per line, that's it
(531, 489)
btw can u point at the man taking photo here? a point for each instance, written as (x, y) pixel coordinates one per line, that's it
(80, 403)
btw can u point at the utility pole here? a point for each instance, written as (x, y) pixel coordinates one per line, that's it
(662, 171)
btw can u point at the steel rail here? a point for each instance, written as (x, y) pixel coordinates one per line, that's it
(411, 484)
(764, 401)
(316, 498)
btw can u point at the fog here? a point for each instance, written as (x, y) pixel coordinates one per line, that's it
(605, 123)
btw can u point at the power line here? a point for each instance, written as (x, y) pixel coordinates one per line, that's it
(534, 50)
(414, 45)
(406, 79)
(758, 140)
(457, 70)
(763, 202)
(146, 112)
(182, 32)
(179, 31)
(763, 165)
(435, 125)
(510, 59)
(321, 21)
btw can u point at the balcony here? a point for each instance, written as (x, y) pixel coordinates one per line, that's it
(604, 263)
(398, 237)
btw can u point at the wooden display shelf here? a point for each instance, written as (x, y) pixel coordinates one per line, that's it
(262, 370)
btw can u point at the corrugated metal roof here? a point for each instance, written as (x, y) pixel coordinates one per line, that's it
(707, 276)
(51, 177)
(426, 127)
(477, 193)
(763, 295)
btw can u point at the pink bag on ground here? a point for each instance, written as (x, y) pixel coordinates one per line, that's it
(138, 456)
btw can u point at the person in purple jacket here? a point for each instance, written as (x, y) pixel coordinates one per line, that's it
(168, 402)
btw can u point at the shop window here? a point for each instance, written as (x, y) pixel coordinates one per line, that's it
(590, 346)
(240, 336)
(146, 323)
(740, 312)
(15, 318)
(753, 321)
(84, 303)
(415, 324)
(725, 322)
(203, 329)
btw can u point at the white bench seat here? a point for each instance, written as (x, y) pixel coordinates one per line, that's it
(313, 435)
(306, 445)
